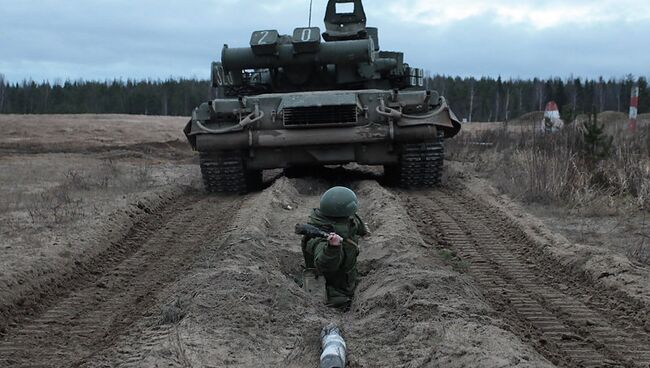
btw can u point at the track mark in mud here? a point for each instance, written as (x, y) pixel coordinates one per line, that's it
(566, 330)
(99, 310)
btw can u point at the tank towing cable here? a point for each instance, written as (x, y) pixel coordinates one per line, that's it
(251, 118)
(395, 114)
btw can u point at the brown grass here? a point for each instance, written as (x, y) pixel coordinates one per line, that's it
(174, 312)
(552, 168)
(67, 201)
(55, 206)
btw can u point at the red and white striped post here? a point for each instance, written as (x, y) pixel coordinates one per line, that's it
(634, 109)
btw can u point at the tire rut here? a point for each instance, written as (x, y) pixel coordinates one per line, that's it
(95, 314)
(566, 330)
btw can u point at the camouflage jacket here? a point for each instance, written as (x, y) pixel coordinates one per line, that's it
(337, 264)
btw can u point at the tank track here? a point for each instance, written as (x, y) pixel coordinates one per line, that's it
(420, 165)
(226, 173)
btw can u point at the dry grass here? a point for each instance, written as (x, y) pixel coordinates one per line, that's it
(55, 206)
(554, 169)
(71, 197)
(174, 311)
(641, 252)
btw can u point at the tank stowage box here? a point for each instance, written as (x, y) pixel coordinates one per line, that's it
(310, 99)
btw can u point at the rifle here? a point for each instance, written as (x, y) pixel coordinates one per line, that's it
(310, 231)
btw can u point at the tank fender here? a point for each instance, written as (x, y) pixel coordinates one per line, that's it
(190, 138)
(441, 116)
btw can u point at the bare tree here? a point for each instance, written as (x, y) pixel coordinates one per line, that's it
(428, 79)
(472, 93)
(497, 105)
(601, 94)
(539, 94)
(573, 94)
(2, 91)
(507, 107)
(165, 104)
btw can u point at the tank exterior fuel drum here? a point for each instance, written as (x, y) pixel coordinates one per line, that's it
(340, 53)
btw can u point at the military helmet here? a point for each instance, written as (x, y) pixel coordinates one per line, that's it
(339, 202)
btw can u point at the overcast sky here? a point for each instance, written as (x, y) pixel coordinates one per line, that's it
(100, 39)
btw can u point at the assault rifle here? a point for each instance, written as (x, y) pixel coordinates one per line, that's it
(310, 231)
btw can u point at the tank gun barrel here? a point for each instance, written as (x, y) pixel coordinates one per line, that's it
(342, 52)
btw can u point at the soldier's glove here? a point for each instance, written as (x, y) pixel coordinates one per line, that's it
(334, 240)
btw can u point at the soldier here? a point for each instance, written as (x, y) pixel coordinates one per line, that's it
(335, 257)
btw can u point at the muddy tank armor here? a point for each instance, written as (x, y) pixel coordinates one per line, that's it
(296, 101)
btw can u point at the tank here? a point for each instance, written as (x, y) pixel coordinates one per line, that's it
(310, 99)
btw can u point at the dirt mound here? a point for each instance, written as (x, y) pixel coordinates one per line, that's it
(606, 117)
(611, 117)
(528, 118)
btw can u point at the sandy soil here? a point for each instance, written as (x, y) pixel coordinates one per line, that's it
(87, 131)
(59, 212)
(135, 266)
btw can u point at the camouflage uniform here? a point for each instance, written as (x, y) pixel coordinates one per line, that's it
(337, 264)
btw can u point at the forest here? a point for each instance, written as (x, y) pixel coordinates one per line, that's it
(474, 99)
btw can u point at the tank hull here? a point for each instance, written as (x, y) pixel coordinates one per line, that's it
(369, 127)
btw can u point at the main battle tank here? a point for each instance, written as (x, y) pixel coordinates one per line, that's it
(296, 101)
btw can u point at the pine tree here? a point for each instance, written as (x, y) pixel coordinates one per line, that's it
(597, 145)
(3, 88)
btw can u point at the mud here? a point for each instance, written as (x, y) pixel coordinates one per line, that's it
(451, 277)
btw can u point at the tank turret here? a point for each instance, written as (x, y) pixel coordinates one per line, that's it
(302, 61)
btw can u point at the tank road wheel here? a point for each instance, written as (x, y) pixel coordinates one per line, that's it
(226, 173)
(420, 166)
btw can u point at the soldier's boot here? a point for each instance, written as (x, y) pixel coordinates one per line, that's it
(314, 284)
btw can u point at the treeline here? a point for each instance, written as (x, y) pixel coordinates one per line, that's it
(489, 99)
(146, 97)
(484, 99)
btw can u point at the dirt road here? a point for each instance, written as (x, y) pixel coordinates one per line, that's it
(195, 280)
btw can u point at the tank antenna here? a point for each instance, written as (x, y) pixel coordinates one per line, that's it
(311, 2)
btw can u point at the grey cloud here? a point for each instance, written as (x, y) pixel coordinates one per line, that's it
(98, 39)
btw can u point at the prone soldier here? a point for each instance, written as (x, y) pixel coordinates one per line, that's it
(330, 244)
